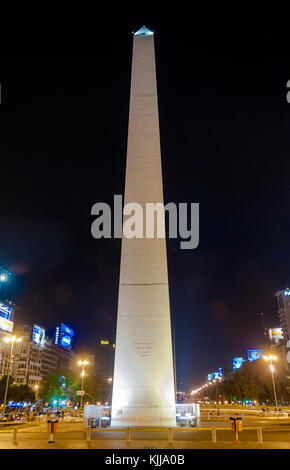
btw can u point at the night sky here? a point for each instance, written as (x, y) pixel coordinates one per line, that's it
(225, 141)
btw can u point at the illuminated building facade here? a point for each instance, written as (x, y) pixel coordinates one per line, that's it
(283, 299)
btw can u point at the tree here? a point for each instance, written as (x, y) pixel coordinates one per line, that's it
(58, 386)
(15, 392)
(3, 386)
(97, 388)
(21, 392)
(253, 381)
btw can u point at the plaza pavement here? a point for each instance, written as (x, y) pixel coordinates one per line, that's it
(73, 436)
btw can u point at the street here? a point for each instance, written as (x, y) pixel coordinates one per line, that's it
(276, 434)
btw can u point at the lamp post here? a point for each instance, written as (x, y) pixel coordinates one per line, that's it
(12, 340)
(83, 364)
(270, 359)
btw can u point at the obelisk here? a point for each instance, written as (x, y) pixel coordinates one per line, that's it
(143, 384)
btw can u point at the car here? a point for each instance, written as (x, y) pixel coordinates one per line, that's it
(4, 418)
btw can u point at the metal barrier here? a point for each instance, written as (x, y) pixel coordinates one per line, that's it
(169, 431)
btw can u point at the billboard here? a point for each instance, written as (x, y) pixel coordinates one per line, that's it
(38, 335)
(6, 323)
(275, 334)
(209, 377)
(5, 311)
(237, 362)
(63, 336)
(254, 354)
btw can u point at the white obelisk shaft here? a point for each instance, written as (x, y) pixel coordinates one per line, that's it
(143, 385)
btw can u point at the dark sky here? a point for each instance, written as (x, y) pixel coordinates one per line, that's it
(224, 123)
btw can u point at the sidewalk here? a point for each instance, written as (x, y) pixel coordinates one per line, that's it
(122, 444)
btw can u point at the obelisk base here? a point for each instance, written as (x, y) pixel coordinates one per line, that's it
(164, 416)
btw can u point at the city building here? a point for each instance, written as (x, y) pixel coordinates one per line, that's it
(4, 354)
(105, 355)
(37, 356)
(283, 299)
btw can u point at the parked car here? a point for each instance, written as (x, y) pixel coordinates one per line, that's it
(4, 418)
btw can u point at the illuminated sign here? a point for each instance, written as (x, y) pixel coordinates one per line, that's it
(104, 341)
(5, 311)
(65, 336)
(220, 372)
(21, 404)
(275, 334)
(237, 362)
(287, 292)
(38, 335)
(254, 354)
(215, 375)
(209, 377)
(56, 336)
(6, 325)
(65, 341)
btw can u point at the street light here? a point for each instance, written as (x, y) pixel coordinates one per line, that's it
(36, 387)
(270, 359)
(10, 339)
(83, 364)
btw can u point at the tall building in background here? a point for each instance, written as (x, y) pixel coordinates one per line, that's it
(37, 356)
(283, 298)
(105, 355)
(143, 385)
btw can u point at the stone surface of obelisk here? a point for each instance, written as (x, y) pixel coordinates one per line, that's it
(143, 384)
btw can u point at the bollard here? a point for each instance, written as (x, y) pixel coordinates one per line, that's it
(213, 434)
(128, 435)
(237, 438)
(170, 437)
(260, 435)
(15, 436)
(89, 433)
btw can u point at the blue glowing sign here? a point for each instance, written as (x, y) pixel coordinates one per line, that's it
(19, 404)
(209, 377)
(56, 336)
(215, 375)
(5, 311)
(254, 354)
(287, 292)
(237, 362)
(65, 341)
(220, 372)
(66, 335)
